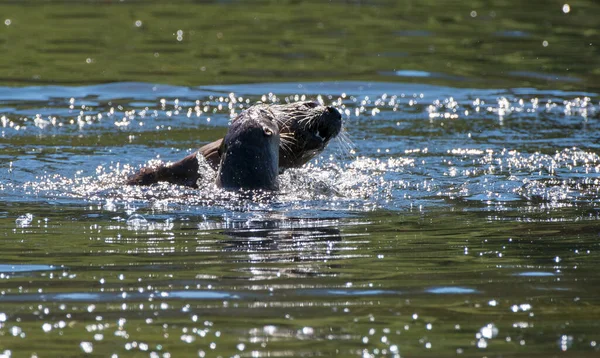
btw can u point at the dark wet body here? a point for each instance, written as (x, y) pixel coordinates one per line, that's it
(250, 152)
(305, 129)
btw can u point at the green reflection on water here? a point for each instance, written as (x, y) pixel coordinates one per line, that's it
(495, 44)
(403, 255)
(302, 294)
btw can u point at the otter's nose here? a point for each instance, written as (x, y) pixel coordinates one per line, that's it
(334, 112)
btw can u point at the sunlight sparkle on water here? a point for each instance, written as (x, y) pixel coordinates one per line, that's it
(24, 220)
(87, 347)
(502, 160)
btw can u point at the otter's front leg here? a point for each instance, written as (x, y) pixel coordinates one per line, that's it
(183, 172)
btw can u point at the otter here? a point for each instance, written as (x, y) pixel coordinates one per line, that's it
(250, 152)
(304, 130)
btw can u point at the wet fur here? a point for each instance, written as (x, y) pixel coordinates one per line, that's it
(250, 152)
(305, 129)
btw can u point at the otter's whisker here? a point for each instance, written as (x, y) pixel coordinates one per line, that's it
(288, 136)
(345, 144)
(288, 139)
(286, 142)
(350, 146)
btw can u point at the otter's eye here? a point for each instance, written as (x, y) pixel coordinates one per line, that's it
(268, 131)
(311, 104)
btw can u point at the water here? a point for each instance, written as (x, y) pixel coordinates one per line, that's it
(452, 210)
(456, 215)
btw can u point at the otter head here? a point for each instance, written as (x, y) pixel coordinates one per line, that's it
(250, 152)
(305, 128)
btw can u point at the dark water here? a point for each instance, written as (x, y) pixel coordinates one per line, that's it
(457, 215)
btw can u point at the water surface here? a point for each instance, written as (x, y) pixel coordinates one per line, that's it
(455, 222)
(457, 215)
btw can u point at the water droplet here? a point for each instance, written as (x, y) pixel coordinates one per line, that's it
(489, 331)
(24, 220)
(308, 330)
(137, 221)
(87, 347)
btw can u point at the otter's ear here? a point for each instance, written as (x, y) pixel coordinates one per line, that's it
(267, 131)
